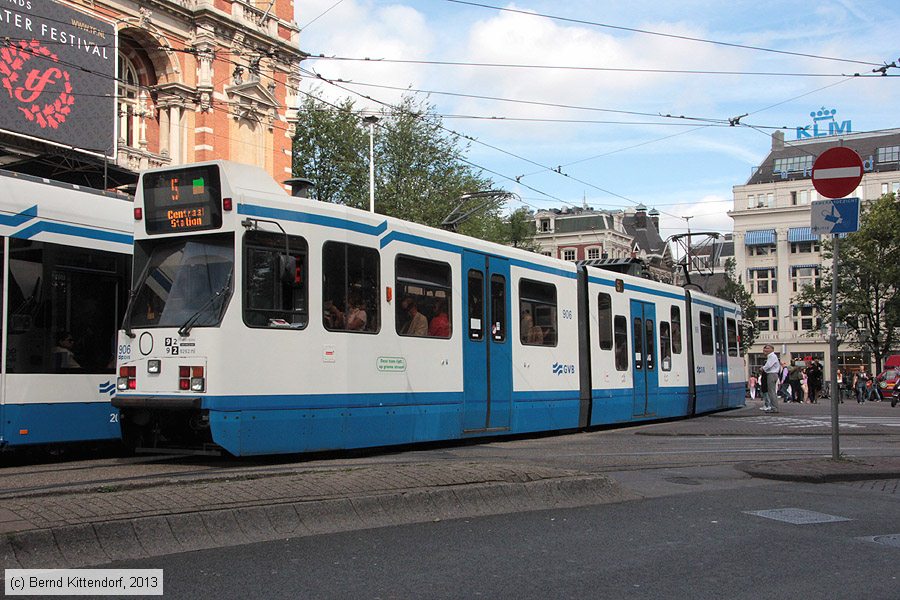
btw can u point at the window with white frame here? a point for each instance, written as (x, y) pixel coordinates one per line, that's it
(889, 154)
(803, 276)
(805, 247)
(762, 281)
(132, 103)
(793, 164)
(767, 318)
(593, 253)
(806, 319)
(545, 225)
(761, 249)
(770, 200)
(569, 254)
(800, 198)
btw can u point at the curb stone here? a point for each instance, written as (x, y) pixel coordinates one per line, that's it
(145, 537)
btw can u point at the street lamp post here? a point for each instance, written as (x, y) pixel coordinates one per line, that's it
(371, 120)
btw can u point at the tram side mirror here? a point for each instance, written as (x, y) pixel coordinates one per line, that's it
(290, 270)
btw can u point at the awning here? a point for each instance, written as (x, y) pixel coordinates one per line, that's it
(795, 267)
(802, 234)
(759, 237)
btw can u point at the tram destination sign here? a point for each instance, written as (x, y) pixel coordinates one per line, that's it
(188, 199)
(57, 75)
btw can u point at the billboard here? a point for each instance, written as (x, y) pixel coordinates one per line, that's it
(57, 75)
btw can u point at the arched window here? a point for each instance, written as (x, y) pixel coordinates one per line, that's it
(132, 102)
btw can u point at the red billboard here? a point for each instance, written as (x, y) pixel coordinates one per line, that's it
(57, 75)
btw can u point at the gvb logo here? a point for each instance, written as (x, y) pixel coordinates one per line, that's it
(108, 388)
(559, 369)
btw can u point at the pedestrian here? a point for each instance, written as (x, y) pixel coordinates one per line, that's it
(814, 377)
(859, 384)
(795, 378)
(771, 369)
(841, 387)
(751, 386)
(784, 386)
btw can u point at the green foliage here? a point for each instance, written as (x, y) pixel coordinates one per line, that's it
(734, 291)
(332, 149)
(868, 294)
(520, 230)
(420, 167)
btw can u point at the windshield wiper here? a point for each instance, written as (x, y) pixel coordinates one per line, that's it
(126, 325)
(186, 328)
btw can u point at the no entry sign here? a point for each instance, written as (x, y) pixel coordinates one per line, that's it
(837, 172)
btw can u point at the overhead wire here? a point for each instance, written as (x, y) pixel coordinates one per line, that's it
(368, 60)
(666, 35)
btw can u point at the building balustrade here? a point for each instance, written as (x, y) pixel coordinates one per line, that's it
(136, 159)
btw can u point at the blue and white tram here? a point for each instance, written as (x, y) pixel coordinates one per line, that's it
(264, 323)
(65, 255)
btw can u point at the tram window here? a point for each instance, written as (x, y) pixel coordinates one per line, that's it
(650, 340)
(498, 308)
(720, 335)
(706, 333)
(676, 330)
(537, 310)
(476, 305)
(273, 298)
(351, 282)
(65, 306)
(732, 337)
(604, 318)
(665, 346)
(424, 289)
(620, 333)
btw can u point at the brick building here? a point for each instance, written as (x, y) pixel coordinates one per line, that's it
(185, 81)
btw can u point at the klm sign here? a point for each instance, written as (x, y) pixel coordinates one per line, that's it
(823, 125)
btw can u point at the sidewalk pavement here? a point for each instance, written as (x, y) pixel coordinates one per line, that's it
(90, 524)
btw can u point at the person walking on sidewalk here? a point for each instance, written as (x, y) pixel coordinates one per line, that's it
(771, 370)
(795, 377)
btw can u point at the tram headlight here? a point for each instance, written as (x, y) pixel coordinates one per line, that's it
(198, 384)
(154, 366)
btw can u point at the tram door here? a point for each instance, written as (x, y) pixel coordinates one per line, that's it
(487, 380)
(646, 375)
(721, 346)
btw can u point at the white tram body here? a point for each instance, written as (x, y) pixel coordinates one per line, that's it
(66, 257)
(265, 323)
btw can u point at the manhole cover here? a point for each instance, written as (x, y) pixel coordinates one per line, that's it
(796, 516)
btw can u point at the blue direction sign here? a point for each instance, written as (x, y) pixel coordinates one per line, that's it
(840, 215)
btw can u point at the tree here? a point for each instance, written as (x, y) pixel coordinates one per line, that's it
(520, 229)
(420, 168)
(868, 294)
(734, 291)
(332, 149)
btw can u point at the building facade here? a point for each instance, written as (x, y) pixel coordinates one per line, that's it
(775, 252)
(582, 233)
(192, 80)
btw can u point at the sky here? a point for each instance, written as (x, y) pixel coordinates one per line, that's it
(590, 102)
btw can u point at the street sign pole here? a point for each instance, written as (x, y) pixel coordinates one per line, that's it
(835, 174)
(833, 350)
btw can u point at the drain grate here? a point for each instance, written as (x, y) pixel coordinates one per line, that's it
(892, 540)
(796, 516)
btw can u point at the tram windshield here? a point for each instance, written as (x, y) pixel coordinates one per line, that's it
(187, 283)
